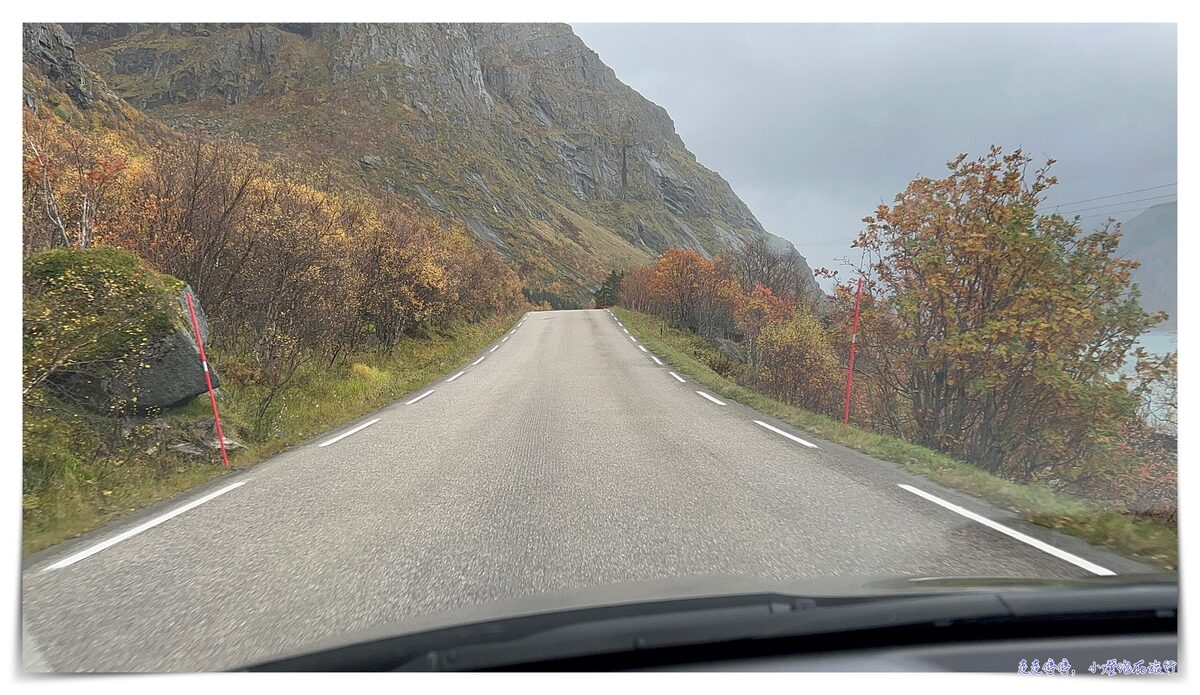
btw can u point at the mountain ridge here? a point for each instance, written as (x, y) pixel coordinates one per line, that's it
(1151, 237)
(519, 130)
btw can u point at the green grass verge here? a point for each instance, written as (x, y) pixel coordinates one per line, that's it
(1140, 539)
(98, 489)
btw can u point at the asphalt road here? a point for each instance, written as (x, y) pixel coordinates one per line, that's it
(568, 458)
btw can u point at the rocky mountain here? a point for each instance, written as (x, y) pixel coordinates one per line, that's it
(55, 78)
(1152, 238)
(518, 130)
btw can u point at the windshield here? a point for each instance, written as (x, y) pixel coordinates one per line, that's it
(339, 328)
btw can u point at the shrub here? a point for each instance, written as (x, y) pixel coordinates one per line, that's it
(798, 364)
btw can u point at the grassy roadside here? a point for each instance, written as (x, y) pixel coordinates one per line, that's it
(323, 398)
(1140, 539)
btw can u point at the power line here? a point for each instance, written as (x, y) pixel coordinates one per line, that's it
(1123, 202)
(839, 242)
(831, 242)
(1113, 212)
(1116, 195)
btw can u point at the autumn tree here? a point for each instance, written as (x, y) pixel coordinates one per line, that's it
(69, 180)
(1012, 322)
(199, 214)
(784, 272)
(694, 293)
(290, 299)
(798, 364)
(483, 283)
(402, 283)
(756, 311)
(755, 263)
(636, 289)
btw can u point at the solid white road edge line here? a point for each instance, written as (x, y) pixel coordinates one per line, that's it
(1028, 540)
(343, 435)
(792, 437)
(711, 398)
(419, 397)
(656, 360)
(479, 360)
(677, 377)
(72, 559)
(455, 377)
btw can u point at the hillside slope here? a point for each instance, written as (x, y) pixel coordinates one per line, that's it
(1152, 238)
(519, 130)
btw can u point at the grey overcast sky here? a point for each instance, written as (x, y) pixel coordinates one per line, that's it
(815, 124)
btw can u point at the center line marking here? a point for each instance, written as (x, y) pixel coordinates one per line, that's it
(343, 435)
(1029, 540)
(656, 360)
(419, 397)
(84, 554)
(494, 348)
(455, 377)
(479, 360)
(642, 348)
(792, 437)
(677, 377)
(711, 398)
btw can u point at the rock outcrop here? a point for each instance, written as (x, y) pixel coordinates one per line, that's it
(171, 374)
(49, 49)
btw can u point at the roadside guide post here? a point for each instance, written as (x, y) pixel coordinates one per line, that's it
(212, 396)
(853, 344)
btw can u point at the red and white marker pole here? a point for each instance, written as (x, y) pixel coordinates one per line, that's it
(212, 396)
(853, 344)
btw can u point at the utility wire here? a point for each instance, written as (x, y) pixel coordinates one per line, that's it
(1123, 202)
(1115, 195)
(839, 242)
(1113, 212)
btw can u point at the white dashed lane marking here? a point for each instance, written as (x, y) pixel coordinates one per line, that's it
(419, 397)
(792, 437)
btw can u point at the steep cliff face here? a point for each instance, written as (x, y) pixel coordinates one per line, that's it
(54, 78)
(519, 130)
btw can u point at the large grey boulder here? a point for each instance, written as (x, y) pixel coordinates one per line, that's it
(168, 372)
(174, 373)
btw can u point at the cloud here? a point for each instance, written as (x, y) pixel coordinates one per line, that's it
(814, 125)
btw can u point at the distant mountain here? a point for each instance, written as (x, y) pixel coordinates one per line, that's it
(519, 130)
(1152, 239)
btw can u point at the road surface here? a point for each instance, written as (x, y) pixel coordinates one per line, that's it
(568, 457)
